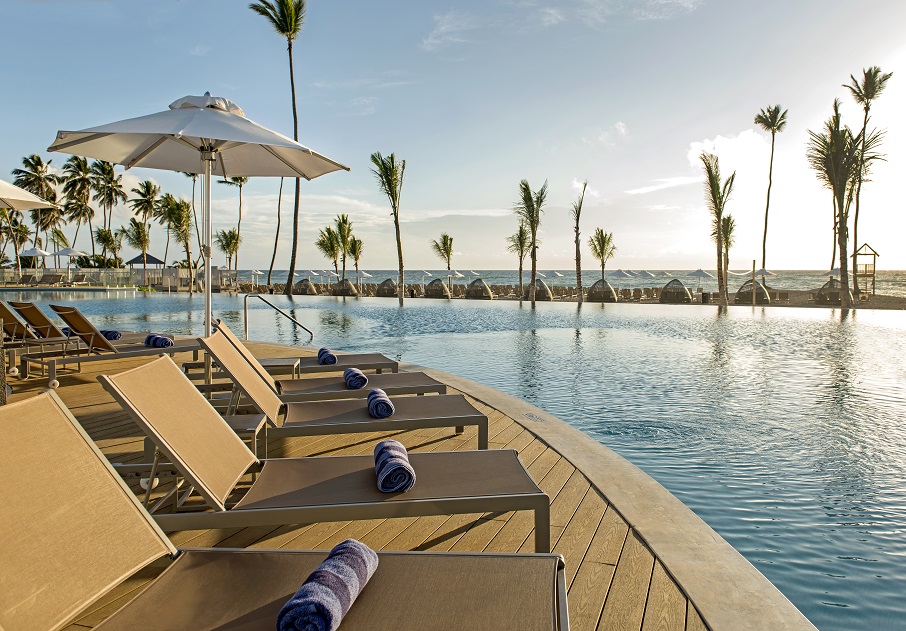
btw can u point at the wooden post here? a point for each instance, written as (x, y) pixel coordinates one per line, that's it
(753, 282)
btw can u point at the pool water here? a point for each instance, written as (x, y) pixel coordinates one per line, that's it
(784, 429)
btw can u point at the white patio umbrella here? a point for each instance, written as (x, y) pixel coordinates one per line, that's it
(35, 252)
(15, 198)
(198, 134)
(700, 274)
(69, 252)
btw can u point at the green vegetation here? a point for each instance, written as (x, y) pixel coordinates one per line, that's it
(528, 208)
(390, 173)
(443, 248)
(771, 120)
(576, 213)
(602, 247)
(717, 194)
(518, 244)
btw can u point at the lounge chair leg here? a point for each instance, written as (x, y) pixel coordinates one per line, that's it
(151, 477)
(543, 528)
(52, 373)
(483, 435)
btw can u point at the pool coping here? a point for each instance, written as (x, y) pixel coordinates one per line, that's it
(726, 589)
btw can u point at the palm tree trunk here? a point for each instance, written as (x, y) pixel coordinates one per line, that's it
(191, 267)
(845, 302)
(579, 266)
(167, 248)
(602, 277)
(531, 288)
(767, 206)
(194, 217)
(399, 254)
(292, 257)
(76, 236)
(521, 288)
(836, 225)
(721, 288)
(270, 270)
(858, 194)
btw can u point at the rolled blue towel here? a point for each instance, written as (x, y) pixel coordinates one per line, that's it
(355, 379)
(379, 404)
(66, 331)
(329, 592)
(111, 335)
(391, 464)
(326, 357)
(158, 341)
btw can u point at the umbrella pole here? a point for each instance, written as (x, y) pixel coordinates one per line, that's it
(207, 157)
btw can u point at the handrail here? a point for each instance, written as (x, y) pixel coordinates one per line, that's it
(275, 308)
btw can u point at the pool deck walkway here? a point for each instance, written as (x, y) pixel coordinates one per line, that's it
(636, 558)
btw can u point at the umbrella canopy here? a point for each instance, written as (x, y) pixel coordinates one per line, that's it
(474, 273)
(540, 274)
(662, 274)
(424, 273)
(35, 252)
(700, 273)
(11, 196)
(364, 274)
(557, 274)
(456, 274)
(764, 272)
(833, 272)
(620, 274)
(198, 134)
(149, 259)
(69, 252)
(644, 274)
(632, 273)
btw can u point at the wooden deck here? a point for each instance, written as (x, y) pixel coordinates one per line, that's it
(615, 581)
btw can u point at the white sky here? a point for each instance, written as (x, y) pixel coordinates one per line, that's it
(477, 95)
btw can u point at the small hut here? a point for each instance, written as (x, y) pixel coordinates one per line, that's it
(479, 290)
(744, 294)
(675, 293)
(344, 288)
(542, 291)
(437, 289)
(601, 291)
(387, 289)
(306, 288)
(829, 294)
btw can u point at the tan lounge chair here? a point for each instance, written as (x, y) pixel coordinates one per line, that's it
(98, 347)
(79, 533)
(19, 335)
(317, 418)
(210, 457)
(363, 361)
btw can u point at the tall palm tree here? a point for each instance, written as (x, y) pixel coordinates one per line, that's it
(443, 248)
(528, 208)
(344, 237)
(110, 241)
(238, 182)
(329, 245)
(873, 83)
(138, 237)
(145, 200)
(108, 188)
(518, 244)
(287, 17)
(19, 234)
(194, 178)
(35, 177)
(356, 248)
(390, 173)
(602, 247)
(161, 215)
(772, 120)
(576, 213)
(728, 238)
(717, 194)
(77, 189)
(228, 241)
(270, 270)
(178, 217)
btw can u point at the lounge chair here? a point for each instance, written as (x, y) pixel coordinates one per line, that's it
(77, 279)
(20, 335)
(210, 457)
(98, 347)
(317, 418)
(27, 279)
(50, 280)
(40, 324)
(309, 365)
(78, 533)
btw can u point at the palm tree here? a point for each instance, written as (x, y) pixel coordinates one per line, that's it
(145, 200)
(717, 195)
(270, 270)
(35, 177)
(602, 247)
(529, 207)
(110, 241)
(329, 244)
(772, 120)
(77, 189)
(194, 178)
(108, 188)
(238, 182)
(873, 83)
(228, 241)
(344, 237)
(838, 160)
(355, 251)
(161, 215)
(286, 17)
(576, 213)
(518, 244)
(390, 174)
(727, 228)
(138, 237)
(179, 224)
(19, 234)
(443, 248)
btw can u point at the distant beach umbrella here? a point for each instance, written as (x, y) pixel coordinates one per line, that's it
(364, 274)
(456, 274)
(619, 274)
(205, 135)
(69, 252)
(764, 272)
(662, 274)
(473, 273)
(645, 274)
(32, 252)
(632, 273)
(700, 273)
(540, 274)
(833, 272)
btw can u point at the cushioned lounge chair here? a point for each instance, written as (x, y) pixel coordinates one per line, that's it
(79, 534)
(307, 365)
(191, 437)
(98, 347)
(316, 418)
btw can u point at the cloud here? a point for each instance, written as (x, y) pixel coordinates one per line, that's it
(665, 183)
(576, 185)
(609, 136)
(362, 106)
(550, 17)
(597, 12)
(200, 50)
(746, 149)
(449, 29)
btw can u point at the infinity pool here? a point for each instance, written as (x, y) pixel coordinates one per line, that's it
(784, 429)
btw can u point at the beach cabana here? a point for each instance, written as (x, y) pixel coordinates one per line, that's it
(437, 289)
(344, 288)
(479, 290)
(675, 293)
(149, 259)
(744, 294)
(306, 288)
(601, 291)
(829, 294)
(387, 289)
(542, 291)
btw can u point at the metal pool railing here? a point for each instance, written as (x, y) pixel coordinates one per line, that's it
(245, 301)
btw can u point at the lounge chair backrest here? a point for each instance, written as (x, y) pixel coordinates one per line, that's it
(36, 319)
(187, 430)
(81, 327)
(12, 326)
(72, 530)
(251, 359)
(243, 375)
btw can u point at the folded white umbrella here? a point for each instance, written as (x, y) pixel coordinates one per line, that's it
(198, 134)
(11, 196)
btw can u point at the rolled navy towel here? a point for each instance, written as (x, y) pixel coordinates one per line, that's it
(158, 341)
(326, 357)
(391, 464)
(379, 404)
(355, 379)
(329, 592)
(111, 335)
(66, 331)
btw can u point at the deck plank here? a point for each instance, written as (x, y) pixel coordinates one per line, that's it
(625, 603)
(666, 608)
